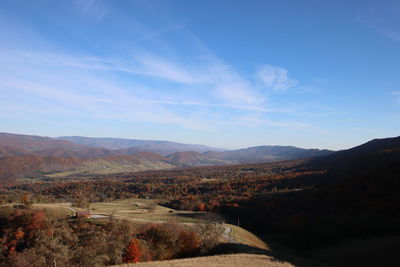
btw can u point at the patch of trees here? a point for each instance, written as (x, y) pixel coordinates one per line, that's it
(362, 204)
(200, 189)
(29, 236)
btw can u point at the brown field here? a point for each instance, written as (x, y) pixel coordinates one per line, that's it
(138, 210)
(258, 253)
(54, 211)
(104, 167)
(243, 236)
(236, 260)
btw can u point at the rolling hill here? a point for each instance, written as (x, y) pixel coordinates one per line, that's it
(356, 196)
(375, 150)
(192, 158)
(266, 154)
(369, 156)
(35, 143)
(82, 155)
(12, 168)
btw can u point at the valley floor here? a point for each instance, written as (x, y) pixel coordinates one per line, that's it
(246, 248)
(138, 210)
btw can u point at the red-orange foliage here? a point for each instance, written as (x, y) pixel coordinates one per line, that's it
(213, 204)
(133, 252)
(25, 199)
(235, 205)
(201, 206)
(11, 250)
(190, 243)
(148, 188)
(19, 234)
(37, 220)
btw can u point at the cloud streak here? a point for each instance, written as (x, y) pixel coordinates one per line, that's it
(158, 85)
(91, 91)
(275, 78)
(75, 79)
(219, 78)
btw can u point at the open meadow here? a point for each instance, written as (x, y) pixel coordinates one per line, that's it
(147, 211)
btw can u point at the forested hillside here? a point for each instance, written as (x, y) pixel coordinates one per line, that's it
(27, 157)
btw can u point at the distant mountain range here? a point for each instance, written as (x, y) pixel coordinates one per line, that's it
(79, 155)
(159, 147)
(31, 143)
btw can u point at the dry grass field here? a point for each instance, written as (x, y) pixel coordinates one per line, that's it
(138, 209)
(234, 260)
(243, 236)
(146, 210)
(102, 166)
(55, 210)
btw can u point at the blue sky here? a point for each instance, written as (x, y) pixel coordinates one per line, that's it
(231, 74)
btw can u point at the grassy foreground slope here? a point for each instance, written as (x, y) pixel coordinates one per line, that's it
(236, 260)
(146, 211)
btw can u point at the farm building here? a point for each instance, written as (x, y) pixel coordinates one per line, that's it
(82, 214)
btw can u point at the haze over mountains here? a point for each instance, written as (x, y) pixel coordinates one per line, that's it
(86, 147)
(73, 155)
(159, 147)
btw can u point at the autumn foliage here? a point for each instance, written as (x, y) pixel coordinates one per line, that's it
(28, 235)
(133, 252)
(201, 206)
(190, 243)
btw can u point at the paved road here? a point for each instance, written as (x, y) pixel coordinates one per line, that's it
(226, 235)
(71, 209)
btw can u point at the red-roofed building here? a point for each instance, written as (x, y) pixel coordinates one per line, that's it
(83, 214)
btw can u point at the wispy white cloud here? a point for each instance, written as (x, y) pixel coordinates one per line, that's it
(160, 32)
(275, 78)
(220, 105)
(213, 76)
(116, 106)
(167, 70)
(257, 121)
(224, 89)
(54, 93)
(232, 87)
(156, 84)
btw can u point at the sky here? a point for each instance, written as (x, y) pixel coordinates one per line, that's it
(229, 74)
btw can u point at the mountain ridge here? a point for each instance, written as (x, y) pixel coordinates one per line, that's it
(159, 146)
(85, 158)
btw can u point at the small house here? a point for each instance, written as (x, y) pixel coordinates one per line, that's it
(83, 214)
